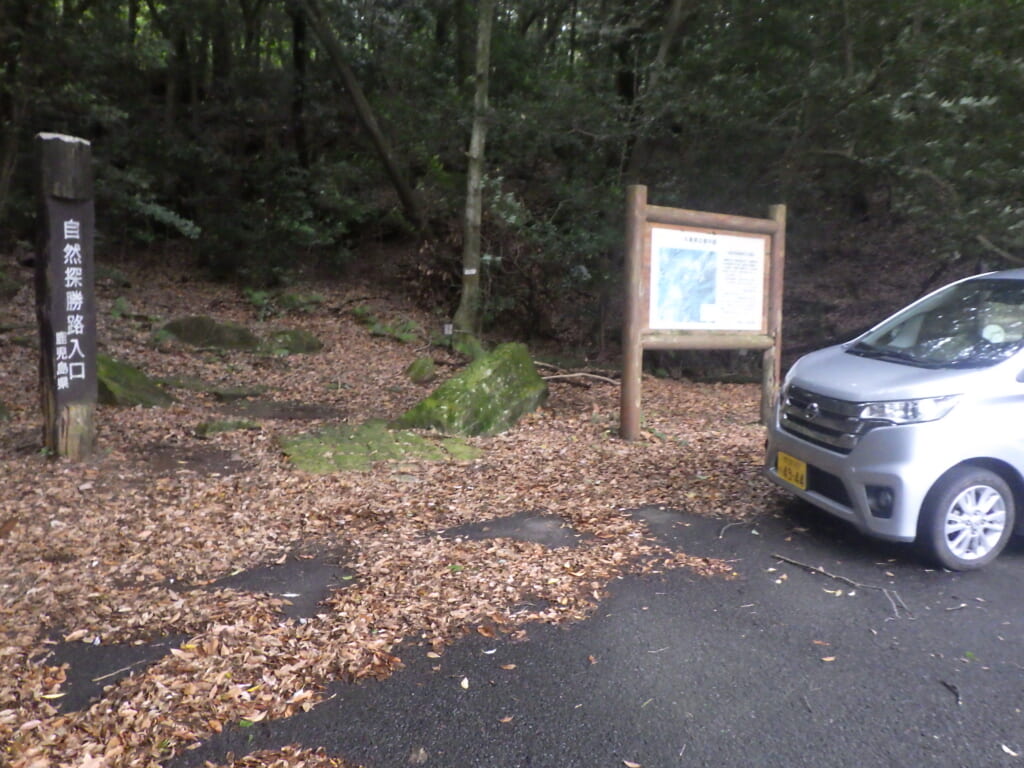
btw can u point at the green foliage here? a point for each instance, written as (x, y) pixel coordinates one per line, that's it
(204, 130)
(120, 308)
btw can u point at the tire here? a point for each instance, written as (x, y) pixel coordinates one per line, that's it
(966, 519)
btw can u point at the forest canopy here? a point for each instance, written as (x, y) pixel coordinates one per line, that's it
(228, 124)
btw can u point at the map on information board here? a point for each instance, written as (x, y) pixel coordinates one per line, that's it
(706, 281)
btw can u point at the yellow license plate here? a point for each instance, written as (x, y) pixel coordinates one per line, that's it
(792, 470)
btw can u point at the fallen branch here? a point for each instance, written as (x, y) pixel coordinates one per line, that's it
(579, 376)
(895, 601)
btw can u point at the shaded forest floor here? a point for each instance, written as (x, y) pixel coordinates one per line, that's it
(132, 545)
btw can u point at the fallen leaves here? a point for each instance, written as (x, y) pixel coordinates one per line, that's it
(115, 550)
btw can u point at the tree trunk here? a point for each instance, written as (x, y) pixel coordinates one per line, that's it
(410, 203)
(678, 15)
(221, 59)
(133, 20)
(251, 13)
(299, 59)
(848, 61)
(463, 43)
(469, 316)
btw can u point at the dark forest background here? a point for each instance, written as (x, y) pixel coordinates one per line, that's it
(225, 135)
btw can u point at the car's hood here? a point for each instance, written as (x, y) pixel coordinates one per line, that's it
(834, 372)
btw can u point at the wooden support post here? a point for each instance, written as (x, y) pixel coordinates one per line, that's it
(632, 347)
(772, 373)
(65, 297)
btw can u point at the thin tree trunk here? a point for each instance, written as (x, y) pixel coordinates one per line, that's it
(133, 20)
(410, 203)
(299, 58)
(677, 17)
(221, 58)
(463, 43)
(469, 316)
(847, 40)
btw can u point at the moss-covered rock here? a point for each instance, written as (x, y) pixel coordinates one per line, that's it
(405, 331)
(489, 396)
(422, 370)
(292, 341)
(124, 385)
(202, 331)
(5, 414)
(356, 448)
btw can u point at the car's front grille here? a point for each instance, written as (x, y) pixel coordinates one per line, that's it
(824, 421)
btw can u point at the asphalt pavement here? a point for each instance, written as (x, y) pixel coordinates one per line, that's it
(854, 654)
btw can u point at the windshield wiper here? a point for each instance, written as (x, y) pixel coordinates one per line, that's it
(889, 355)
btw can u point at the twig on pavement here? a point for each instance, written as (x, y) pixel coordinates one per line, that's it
(895, 601)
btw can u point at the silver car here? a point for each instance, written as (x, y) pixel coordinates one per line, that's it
(914, 431)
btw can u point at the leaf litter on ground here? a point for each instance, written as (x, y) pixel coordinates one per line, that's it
(103, 551)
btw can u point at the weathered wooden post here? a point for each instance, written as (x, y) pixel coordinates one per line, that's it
(65, 298)
(772, 366)
(636, 295)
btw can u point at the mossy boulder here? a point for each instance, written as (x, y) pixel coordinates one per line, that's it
(292, 341)
(422, 370)
(356, 448)
(487, 397)
(124, 385)
(202, 331)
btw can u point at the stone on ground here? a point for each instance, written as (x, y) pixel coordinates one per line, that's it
(422, 370)
(356, 448)
(293, 341)
(487, 397)
(202, 331)
(124, 385)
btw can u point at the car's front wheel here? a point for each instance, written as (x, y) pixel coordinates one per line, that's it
(967, 518)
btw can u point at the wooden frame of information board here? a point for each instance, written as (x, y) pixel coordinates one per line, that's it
(698, 280)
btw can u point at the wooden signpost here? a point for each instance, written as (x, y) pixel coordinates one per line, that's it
(65, 297)
(698, 280)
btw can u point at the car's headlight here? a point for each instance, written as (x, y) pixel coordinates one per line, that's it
(909, 411)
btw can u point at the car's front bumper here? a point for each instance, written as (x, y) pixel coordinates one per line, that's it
(900, 459)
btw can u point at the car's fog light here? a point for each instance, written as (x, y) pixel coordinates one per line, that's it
(881, 501)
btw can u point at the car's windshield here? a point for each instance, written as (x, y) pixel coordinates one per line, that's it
(973, 324)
